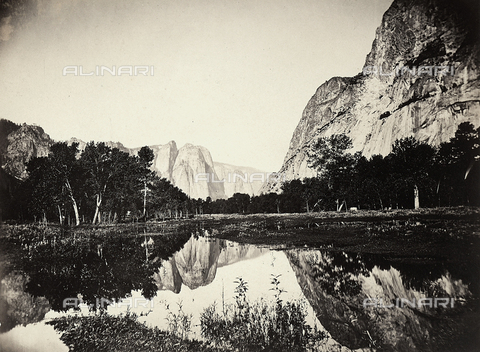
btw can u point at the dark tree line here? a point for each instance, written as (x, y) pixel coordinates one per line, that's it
(99, 184)
(414, 174)
(104, 184)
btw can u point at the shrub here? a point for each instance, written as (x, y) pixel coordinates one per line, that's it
(247, 326)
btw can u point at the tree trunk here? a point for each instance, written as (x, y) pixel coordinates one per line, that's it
(145, 200)
(60, 214)
(438, 192)
(75, 210)
(415, 196)
(97, 208)
(74, 204)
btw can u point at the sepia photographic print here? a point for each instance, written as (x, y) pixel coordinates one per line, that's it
(239, 175)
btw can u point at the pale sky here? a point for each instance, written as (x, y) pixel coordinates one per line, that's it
(232, 76)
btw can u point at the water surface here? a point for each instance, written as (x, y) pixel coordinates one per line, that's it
(155, 275)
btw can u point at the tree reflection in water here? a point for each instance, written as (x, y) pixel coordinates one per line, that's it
(48, 268)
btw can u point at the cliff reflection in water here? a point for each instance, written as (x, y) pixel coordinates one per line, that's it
(337, 283)
(45, 269)
(196, 263)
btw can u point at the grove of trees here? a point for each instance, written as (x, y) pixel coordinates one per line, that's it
(98, 184)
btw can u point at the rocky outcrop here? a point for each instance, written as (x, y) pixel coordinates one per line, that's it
(165, 156)
(394, 97)
(190, 168)
(168, 277)
(23, 144)
(7, 187)
(16, 305)
(197, 261)
(194, 173)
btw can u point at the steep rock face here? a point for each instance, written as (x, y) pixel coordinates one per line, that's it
(164, 158)
(6, 127)
(164, 161)
(168, 277)
(16, 305)
(194, 173)
(7, 185)
(23, 144)
(394, 97)
(81, 144)
(118, 145)
(197, 262)
(240, 179)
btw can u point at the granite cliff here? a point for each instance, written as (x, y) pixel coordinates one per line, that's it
(421, 79)
(239, 179)
(23, 144)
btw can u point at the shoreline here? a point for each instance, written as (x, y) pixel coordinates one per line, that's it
(437, 234)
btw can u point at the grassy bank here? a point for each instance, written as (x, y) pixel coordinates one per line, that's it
(442, 233)
(438, 232)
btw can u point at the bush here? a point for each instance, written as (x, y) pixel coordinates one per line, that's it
(247, 326)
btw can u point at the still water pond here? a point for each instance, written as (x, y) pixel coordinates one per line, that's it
(359, 300)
